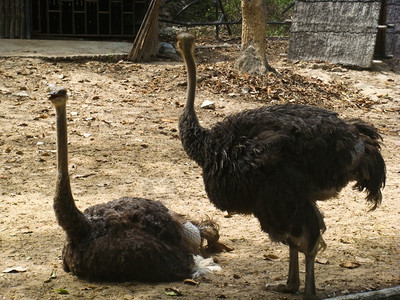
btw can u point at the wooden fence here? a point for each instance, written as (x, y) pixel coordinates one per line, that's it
(393, 34)
(335, 31)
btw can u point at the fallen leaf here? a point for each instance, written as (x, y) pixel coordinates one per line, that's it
(191, 282)
(84, 175)
(271, 257)
(173, 120)
(350, 265)
(88, 288)
(52, 276)
(172, 292)
(61, 291)
(15, 270)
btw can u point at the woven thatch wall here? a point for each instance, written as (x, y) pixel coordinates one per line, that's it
(393, 35)
(12, 19)
(335, 31)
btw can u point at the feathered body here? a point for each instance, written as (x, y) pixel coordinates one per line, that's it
(275, 162)
(124, 239)
(139, 238)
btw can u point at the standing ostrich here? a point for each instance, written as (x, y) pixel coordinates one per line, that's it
(124, 239)
(276, 162)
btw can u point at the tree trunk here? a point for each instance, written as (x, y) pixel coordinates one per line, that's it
(145, 44)
(252, 59)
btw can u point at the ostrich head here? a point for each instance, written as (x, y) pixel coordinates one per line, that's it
(58, 95)
(185, 41)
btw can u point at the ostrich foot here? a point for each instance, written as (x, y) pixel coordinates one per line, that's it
(310, 297)
(283, 288)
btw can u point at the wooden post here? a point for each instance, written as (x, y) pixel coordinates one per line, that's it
(380, 46)
(12, 19)
(389, 293)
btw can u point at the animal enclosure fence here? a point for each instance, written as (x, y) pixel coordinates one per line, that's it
(104, 18)
(13, 20)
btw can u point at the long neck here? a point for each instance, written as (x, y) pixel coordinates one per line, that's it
(68, 216)
(62, 142)
(192, 134)
(191, 82)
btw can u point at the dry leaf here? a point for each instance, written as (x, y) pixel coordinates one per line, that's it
(191, 282)
(61, 291)
(172, 292)
(270, 257)
(15, 270)
(52, 276)
(350, 265)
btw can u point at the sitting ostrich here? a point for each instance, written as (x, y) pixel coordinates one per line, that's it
(276, 162)
(128, 238)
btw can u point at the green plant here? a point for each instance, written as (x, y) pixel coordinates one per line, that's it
(204, 11)
(274, 13)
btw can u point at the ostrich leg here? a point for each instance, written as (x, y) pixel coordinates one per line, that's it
(293, 282)
(310, 291)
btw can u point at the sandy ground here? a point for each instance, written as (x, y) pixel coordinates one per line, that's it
(123, 136)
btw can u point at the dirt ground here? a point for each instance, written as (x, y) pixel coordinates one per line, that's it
(123, 136)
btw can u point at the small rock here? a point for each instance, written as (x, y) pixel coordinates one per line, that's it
(5, 91)
(14, 270)
(350, 265)
(322, 261)
(21, 94)
(339, 69)
(166, 48)
(207, 104)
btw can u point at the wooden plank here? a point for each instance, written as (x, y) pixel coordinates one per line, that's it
(335, 31)
(389, 293)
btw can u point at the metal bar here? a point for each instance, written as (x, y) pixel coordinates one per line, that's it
(190, 24)
(224, 17)
(288, 7)
(186, 7)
